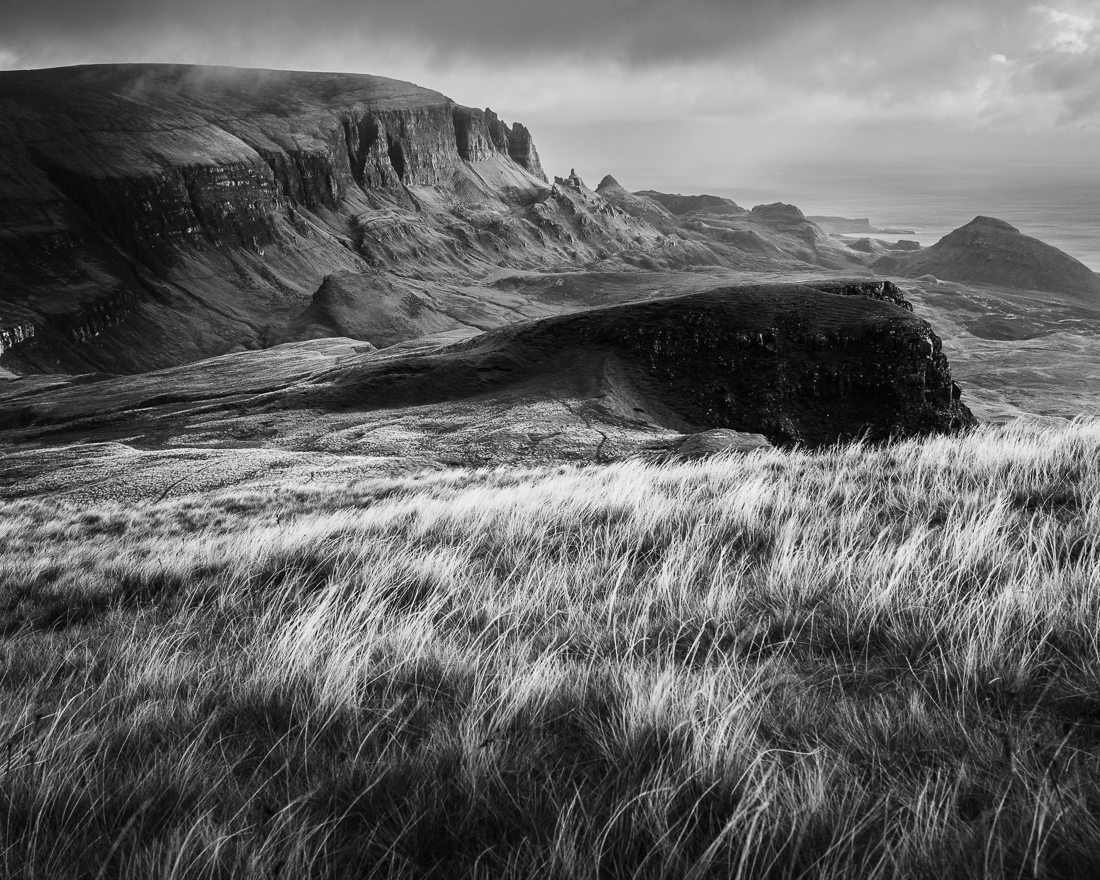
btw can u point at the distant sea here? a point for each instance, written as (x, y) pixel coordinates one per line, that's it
(1060, 207)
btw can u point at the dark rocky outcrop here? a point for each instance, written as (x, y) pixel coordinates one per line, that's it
(481, 133)
(990, 251)
(791, 362)
(799, 364)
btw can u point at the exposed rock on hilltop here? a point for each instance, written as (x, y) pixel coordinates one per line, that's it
(794, 363)
(799, 363)
(990, 251)
(480, 133)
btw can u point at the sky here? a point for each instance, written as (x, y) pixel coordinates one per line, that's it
(754, 96)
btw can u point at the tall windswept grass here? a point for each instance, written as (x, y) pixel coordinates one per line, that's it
(873, 662)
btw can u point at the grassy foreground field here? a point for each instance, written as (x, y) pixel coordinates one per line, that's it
(863, 662)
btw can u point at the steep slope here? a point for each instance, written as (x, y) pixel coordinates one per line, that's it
(990, 251)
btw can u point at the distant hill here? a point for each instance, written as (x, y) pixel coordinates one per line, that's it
(679, 204)
(990, 251)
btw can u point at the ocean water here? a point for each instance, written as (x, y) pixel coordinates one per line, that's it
(1060, 207)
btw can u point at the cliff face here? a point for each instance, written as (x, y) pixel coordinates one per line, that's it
(217, 199)
(480, 134)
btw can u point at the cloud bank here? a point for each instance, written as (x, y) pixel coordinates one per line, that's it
(762, 78)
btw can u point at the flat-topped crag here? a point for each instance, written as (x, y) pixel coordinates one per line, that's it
(812, 363)
(990, 251)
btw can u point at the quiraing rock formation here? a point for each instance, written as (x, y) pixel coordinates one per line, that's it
(158, 214)
(153, 214)
(990, 251)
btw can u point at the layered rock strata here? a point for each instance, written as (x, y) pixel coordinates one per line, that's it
(215, 199)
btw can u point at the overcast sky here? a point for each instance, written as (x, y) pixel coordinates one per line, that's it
(664, 93)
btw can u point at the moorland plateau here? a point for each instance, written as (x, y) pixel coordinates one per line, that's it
(373, 505)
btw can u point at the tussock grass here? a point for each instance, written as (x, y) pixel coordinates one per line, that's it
(875, 662)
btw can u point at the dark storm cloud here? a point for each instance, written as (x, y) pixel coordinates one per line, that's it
(637, 31)
(667, 93)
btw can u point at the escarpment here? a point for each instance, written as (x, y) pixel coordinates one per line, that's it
(480, 133)
(202, 208)
(159, 215)
(218, 199)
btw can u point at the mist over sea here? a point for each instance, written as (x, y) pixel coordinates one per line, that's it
(1060, 206)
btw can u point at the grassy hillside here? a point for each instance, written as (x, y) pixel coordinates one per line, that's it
(864, 662)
